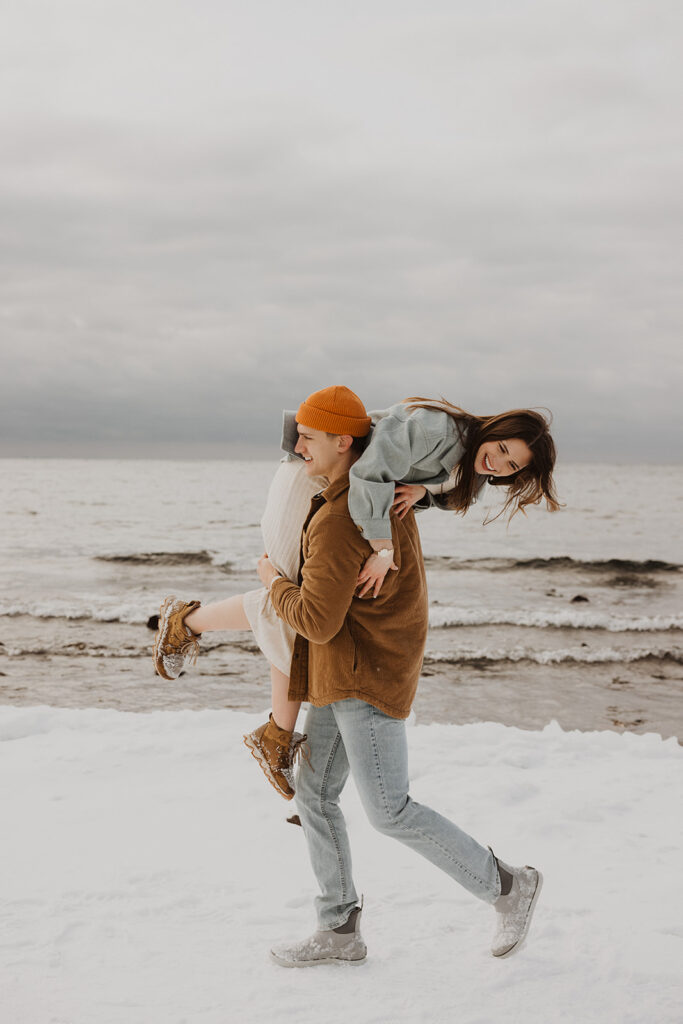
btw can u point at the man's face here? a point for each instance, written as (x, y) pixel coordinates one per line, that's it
(319, 450)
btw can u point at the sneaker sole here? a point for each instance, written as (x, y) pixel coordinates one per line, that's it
(532, 906)
(161, 636)
(316, 963)
(265, 767)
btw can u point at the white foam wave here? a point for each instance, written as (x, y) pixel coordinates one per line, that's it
(98, 610)
(136, 610)
(552, 657)
(440, 617)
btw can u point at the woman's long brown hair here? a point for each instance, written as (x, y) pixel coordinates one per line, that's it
(527, 486)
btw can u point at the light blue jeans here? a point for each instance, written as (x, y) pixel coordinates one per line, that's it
(352, 736)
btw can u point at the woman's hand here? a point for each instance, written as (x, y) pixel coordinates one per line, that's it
(405, 496)
(373, 572)
(266, 571)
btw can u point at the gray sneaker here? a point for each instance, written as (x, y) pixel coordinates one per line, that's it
(338, 945)
(514, 911)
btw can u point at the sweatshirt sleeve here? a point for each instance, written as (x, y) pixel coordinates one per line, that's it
(428, 500)
(317, 608)
(396, 445)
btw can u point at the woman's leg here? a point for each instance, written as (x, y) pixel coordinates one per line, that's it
(285, 711)
(228, 614)
(273, 744)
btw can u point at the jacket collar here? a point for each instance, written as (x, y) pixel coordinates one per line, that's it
(337, 487)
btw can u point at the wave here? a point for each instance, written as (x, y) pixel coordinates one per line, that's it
(165, 558)
(559, 562)
(92, 649)
(159, 558)
(77, 650)
(442, 617)
(130, 614)
(626, 566)
(581, 655)
(476, 656)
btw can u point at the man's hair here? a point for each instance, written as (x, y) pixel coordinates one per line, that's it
(359, 443)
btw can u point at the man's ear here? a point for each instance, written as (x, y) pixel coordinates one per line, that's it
(344, 442)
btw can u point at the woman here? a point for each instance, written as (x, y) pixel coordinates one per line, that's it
(420, 442)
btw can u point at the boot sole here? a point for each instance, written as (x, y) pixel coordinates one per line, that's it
(264, 766)
(532, 906)
(160, 638)
(317, 963)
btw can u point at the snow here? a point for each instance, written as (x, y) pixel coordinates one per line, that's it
(146, 867)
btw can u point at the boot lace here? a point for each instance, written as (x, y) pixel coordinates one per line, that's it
(300, 750)
(190, 649)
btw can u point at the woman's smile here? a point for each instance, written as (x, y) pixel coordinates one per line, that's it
(510, 455)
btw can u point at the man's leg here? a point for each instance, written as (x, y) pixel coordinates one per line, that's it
(377, 752)
(319, 785)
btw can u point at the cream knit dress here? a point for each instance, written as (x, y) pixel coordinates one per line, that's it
(287, 505)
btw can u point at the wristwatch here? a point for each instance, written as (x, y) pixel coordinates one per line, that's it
(385, 553)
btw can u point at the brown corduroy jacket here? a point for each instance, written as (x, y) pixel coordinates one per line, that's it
(368, 648)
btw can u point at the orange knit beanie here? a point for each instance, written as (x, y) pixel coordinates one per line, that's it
(336, 410)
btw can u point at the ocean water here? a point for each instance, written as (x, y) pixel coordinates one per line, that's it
(575, 615)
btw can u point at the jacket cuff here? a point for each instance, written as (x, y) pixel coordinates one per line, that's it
(425, 502)
(275, 588)
(374, 529)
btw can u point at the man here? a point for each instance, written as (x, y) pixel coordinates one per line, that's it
(357, 661)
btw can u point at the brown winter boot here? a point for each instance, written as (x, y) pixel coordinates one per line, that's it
(275, 749)
(175, 642)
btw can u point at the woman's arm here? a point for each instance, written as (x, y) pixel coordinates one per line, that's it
(375, 569)
(397, 445)
(371, 576)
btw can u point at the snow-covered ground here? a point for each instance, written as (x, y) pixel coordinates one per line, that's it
(146, 866)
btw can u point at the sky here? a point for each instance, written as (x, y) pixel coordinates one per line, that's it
(210, 209)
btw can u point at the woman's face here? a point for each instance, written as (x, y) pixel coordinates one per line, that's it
(502, 458)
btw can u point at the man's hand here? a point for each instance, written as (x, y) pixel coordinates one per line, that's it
(372, 574)
(266, 571)
(405, 496)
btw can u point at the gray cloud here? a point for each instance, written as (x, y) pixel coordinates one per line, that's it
(209, 211)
